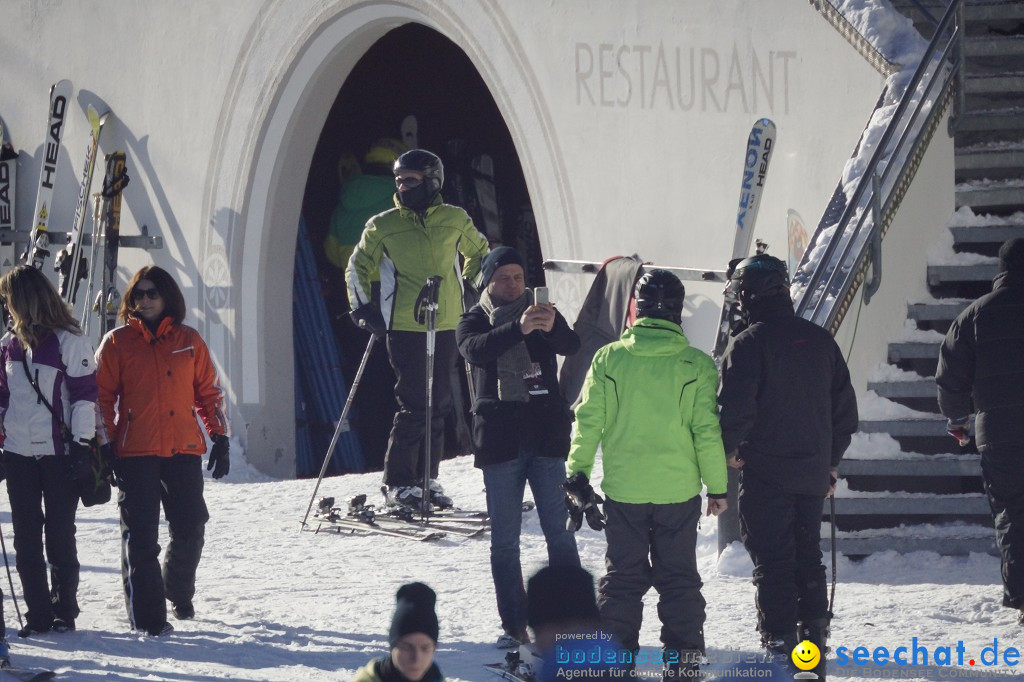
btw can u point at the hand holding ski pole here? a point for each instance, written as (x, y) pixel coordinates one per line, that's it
(581, 500)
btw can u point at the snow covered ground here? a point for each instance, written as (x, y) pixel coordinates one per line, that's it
(275, 603)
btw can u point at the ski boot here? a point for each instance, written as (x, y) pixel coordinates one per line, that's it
(400, 497)
(437, 496)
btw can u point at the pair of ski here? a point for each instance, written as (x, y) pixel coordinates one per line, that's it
(756, 158)
(70, 263)
(401, 522)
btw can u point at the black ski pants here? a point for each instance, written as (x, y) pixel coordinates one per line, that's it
(403, 463)
(1003, 474)
(782, 534)
(143, 483)
(653, 545)
(44, 503)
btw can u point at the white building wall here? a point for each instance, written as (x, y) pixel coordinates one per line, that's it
(219, 106)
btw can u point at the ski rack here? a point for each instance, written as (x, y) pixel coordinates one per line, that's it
(141, 241)
(584, 267)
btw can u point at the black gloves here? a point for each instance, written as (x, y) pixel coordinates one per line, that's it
(219, 461)
(107, 463)
(368, 317)
(581, 501)
(79, 460)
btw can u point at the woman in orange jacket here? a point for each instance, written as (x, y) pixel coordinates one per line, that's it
(155, 377)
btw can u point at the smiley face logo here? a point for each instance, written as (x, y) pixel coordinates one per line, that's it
(806, 655)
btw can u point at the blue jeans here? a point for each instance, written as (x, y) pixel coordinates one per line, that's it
(505, 484)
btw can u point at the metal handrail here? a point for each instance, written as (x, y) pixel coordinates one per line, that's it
(824, 297)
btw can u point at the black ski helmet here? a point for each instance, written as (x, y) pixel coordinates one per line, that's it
(425, 162)
(760, 277)
(660, 294)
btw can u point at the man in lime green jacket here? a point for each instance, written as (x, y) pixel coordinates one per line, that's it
(649, 401)
(422, 237)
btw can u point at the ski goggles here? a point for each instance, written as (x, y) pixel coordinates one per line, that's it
(408, 182)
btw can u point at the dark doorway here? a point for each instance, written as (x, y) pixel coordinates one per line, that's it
(411, 71)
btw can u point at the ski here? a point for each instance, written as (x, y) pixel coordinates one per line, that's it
(28, 675)
(399, 517)
(502, 672)
(451, 526)
(69, 262)
(8, 194)
(513, 668)
(115, 179)
(39, 246)
(338, 522)
(758, 154)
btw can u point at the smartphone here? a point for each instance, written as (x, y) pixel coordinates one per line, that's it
(540, 295)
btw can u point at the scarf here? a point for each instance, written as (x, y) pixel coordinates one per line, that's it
(514, 363)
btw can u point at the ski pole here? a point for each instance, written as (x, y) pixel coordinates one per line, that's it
(832, 522)
(3, 546)
(430, 309)
(341, 424)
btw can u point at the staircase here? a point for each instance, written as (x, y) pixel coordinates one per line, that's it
(908, 486)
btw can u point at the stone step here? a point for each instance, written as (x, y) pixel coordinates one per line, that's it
(974, 272)
(918, 395)
(932, 312)
(1002, 200)
(1002, 86)
(977, 163)
(916, 505)
(993, 233)
(989, 125)
(913, 350)
(993, 45)
(910, 467)
(922, 427)
(862, 546)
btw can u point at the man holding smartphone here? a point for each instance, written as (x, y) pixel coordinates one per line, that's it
(521, 422)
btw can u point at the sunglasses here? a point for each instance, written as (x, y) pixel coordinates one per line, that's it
(408, 182)
(139, 294)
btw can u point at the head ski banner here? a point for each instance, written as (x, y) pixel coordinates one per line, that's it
(39, 247)
(8, 194)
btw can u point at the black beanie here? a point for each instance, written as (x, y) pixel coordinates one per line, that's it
(414, 612)
(502, 255)
(560, 594)
(1011, 255)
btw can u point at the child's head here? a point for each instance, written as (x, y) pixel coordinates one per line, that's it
(414, 631)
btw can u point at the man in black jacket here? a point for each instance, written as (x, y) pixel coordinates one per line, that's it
(982, 358)
(788, 412)
(521, 423)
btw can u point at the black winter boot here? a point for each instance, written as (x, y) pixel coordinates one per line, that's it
(687, 667)
(817, 632)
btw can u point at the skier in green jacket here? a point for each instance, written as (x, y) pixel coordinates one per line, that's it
(422, 237)
(649, 401)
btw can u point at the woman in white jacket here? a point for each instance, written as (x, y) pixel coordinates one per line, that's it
(47, 386)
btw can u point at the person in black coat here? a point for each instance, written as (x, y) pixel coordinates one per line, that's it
(788, 412)
(521, 423)
(981, 361)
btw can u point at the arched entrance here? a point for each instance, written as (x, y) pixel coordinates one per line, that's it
(264, 147)
(413, 87)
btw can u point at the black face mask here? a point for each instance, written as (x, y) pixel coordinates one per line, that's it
(418, 197)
